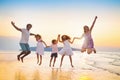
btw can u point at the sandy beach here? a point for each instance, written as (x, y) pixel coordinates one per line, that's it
(100, 66)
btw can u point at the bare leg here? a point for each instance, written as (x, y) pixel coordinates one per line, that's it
(40, 59)
(54, 61)
(94, 50)
(50, 61)
(18, 56)
(37, 58)
(61, 60)
(27, 52)
(89, 51)
(83, 50)
(71, 61)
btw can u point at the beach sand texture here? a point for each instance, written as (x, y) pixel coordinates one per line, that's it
(100, 66)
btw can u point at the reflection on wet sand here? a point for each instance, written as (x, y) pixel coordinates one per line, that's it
(36, 75)
(19, 75)
(54, 74)
(29, 70)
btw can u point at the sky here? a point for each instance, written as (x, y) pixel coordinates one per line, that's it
(52, 17)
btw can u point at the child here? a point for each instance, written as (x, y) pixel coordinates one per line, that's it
(66, 50)
(40, 48)
(54, 51)
(88, 41)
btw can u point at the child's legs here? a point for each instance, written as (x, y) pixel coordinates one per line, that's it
(54, 61)
(37, 57)
(62, 59)
(40, 59)
(71, 60)
(50, 61)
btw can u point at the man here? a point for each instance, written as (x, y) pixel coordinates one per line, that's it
(24, 40)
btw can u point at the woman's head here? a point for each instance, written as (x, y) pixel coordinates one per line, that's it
(86, 29)
(54, 41)
(65, 37)
(37, 37)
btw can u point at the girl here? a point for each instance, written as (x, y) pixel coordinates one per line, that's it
(66, 50)
(88, 41)
(54, 51)
(40, 48)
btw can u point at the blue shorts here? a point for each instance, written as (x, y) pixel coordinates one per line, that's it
(25, 46)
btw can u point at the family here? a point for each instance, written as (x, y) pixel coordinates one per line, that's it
(88, 44)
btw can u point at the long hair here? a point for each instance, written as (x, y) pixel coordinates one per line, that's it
(65, 37)
(85, 28)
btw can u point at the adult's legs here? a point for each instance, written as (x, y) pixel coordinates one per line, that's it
(89, 51)
(26, 48)
(71, 61)
(83, 50)
(27, 53)
(94, 50)
(18, 56)
(62, 59)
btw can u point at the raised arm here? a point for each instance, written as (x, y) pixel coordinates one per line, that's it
(13, 24)
(93, 23)
(59, 38)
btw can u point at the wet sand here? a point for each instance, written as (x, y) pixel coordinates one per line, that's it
(84, 69)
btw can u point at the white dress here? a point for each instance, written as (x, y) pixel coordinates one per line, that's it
(66, 49)
(40, 48)
(88, 41)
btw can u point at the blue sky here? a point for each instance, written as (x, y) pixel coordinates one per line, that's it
(61, 17)
(8, 6)
(55, 3)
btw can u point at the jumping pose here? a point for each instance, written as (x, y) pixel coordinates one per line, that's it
(88, 44)
(24, 40)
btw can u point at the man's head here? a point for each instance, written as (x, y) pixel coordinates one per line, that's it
(29, 26)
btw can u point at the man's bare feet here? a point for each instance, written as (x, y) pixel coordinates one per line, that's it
(22, 59)
(18, 58)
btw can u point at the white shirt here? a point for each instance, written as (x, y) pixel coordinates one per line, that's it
(54, 48)
(24, 36)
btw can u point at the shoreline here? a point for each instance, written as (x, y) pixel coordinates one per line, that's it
(84, 68)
